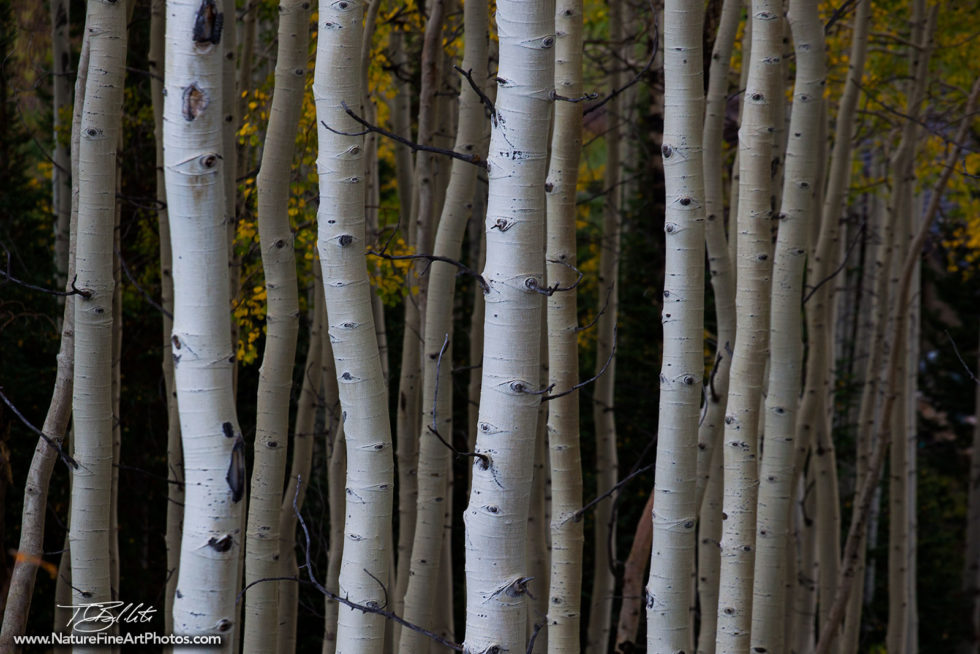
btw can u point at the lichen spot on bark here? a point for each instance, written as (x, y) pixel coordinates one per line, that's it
(195, 102)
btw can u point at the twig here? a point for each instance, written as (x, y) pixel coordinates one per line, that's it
(132, 280)
(434, 257)
(484, 98)
(843, 264)
(838, 14)
(581, 98)
(64, 456)
(956, 350)
(484, 459)
(655, 38)
(538, 626)
(595, 319)
(591, 379)
(622, 482)
(368, 128)
(74, 289)
(364, 608)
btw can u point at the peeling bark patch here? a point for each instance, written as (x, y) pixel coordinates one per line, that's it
(194, 103)
(208, 23)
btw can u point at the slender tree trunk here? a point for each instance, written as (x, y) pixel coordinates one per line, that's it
(232, 109)
(336, 473)
(214, 458)
(567, 532)
(434, 461)
(30, 546)
(634, 574)
(262, 556)
(799, 209)
(709, 555)
(675, 511)
(883, 437)
(752, 324)
(363, 394)
(603, 412)
(496, 517)
(304, 435)
(92, 393)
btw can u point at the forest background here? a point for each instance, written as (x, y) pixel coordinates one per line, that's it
(29, 319)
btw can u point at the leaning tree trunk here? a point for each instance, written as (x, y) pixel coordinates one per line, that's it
(434, 462)
(752, 326)
(567, 534)
(496, 517)
(214, 456)
(363, 394)
(675, 511)
(262, 555)
(92, 394)
(799, 209)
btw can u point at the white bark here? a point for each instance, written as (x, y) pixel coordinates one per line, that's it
(363, 394)
(213, 446)
(262, 555)
(675, 511)
(752, 325)
(567, 533)
(434, 459)
(496, 517)
(92, 394)
(799, 209)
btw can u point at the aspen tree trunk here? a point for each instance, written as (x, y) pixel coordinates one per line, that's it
(262, 556)
(752, 324)
(865, 493)
(799, 209)
(496, 517)
(213, 446)
(634, 571)
(232, 108)
(603, 412)
(567, 532)
(719, 263)
(92, 393)
(743, 78)
(434, 461)
(911, 437)
(304, 434)
(116, 388)
(709, 484)
(878, 260)
(669, 591)
(20, 590)
(60, 155)
(971, 564)
(813, 423)
(900, 209)
(175, 462)
(538, 566)
(363, 395)
(709, 555)
(336, 473)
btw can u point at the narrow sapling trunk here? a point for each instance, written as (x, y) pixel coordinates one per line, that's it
(496, 517)
(752, 328)
(799, 209)
(567, 534)
(363, 394)
(675, 511)
(262, 554)
(434, 462)
(92, 393)
(214, 457)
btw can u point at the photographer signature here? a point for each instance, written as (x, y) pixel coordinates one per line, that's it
(99, 616)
